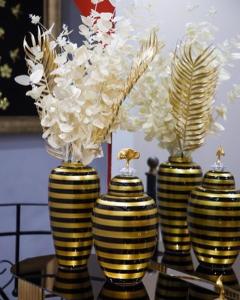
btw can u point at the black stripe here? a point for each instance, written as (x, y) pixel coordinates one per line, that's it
(124, 251)
(217, 218)
(112, 228)
(73, 191)
(122, 261)
(215, 208)
(122, 241)
(73, 182)
(72, 230)
(68, 249)
(213, 228)
(69, 239)
(126, 218)
(132, 208)
(70, 258)
(72, 220)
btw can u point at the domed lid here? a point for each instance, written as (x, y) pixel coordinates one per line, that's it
(218, 178)
(126, 184)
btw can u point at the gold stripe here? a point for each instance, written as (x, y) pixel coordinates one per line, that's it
(215, 233)
(73, 253)
(209, 212)
(74, 170)
(172, 213)
(124, 213)
(170, 196)
(71, 206)
(216, 174)
(180, 179)
(201, 192)
(180, 171)
(175, 187)
(217, 252)
(177, 239)
(214, 223)
(126, 195)
(124, 276)
(73, 235)
(73, 186)
(174, 230)
(71, 225)
(177, 247)
(215, 243)
(73, 178)
(73, 196)
(125, 246)
(73, 263)
(73, 244)
(124, 256)
(173, 222)
(124, 235)
(120, 223)
(70, 216)
(72, 286)
(218, 181)
(213, 202)
(124, 266)
(126, 204)
(124, 294)
(127, 180)
(211, 260)
(125, 188)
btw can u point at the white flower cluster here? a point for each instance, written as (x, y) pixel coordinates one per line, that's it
(150, 109)
(88, 81)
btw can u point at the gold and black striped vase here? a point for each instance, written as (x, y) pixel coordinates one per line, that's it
(73, 190)
(176, 179)
(214, 220)
(125, 230)
(73, 284)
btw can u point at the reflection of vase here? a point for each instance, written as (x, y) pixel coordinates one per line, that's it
(171, 288)
(111, 291)
(73, 284)
(73, 190)
(214, 220)
(228, 278)
(176, 179)
(125, 230)
(178, 261)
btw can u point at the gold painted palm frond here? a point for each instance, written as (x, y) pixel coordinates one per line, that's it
(47, 60)
(193, 84)
(148, 51)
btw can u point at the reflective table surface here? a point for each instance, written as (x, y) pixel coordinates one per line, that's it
(169, 277)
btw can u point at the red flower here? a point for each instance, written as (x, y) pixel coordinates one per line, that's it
(85, 6)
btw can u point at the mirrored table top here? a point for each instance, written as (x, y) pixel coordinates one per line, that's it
(169, 277)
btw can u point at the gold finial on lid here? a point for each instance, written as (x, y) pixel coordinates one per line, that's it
(220, 152)
(219, 284)
(128, 154)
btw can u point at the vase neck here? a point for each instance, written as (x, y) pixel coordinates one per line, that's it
(72, 164)
(180, 159)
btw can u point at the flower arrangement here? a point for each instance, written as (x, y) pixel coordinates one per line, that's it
(78, 90)
(154, 110)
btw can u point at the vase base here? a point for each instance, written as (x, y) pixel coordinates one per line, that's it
(72, 268)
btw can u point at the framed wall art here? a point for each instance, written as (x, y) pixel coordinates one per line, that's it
(17, 111)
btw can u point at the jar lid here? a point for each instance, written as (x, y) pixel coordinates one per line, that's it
(126, 184)
(218, 178)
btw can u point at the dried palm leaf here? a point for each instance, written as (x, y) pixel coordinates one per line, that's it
(193, 84)
(47, 60)
(145, 56)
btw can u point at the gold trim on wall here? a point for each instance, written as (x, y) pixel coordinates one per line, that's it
(31, 124)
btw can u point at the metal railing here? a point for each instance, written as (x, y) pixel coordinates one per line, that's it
(17, 233)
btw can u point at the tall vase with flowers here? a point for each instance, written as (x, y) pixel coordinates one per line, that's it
(78, 92)
(175, 105)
